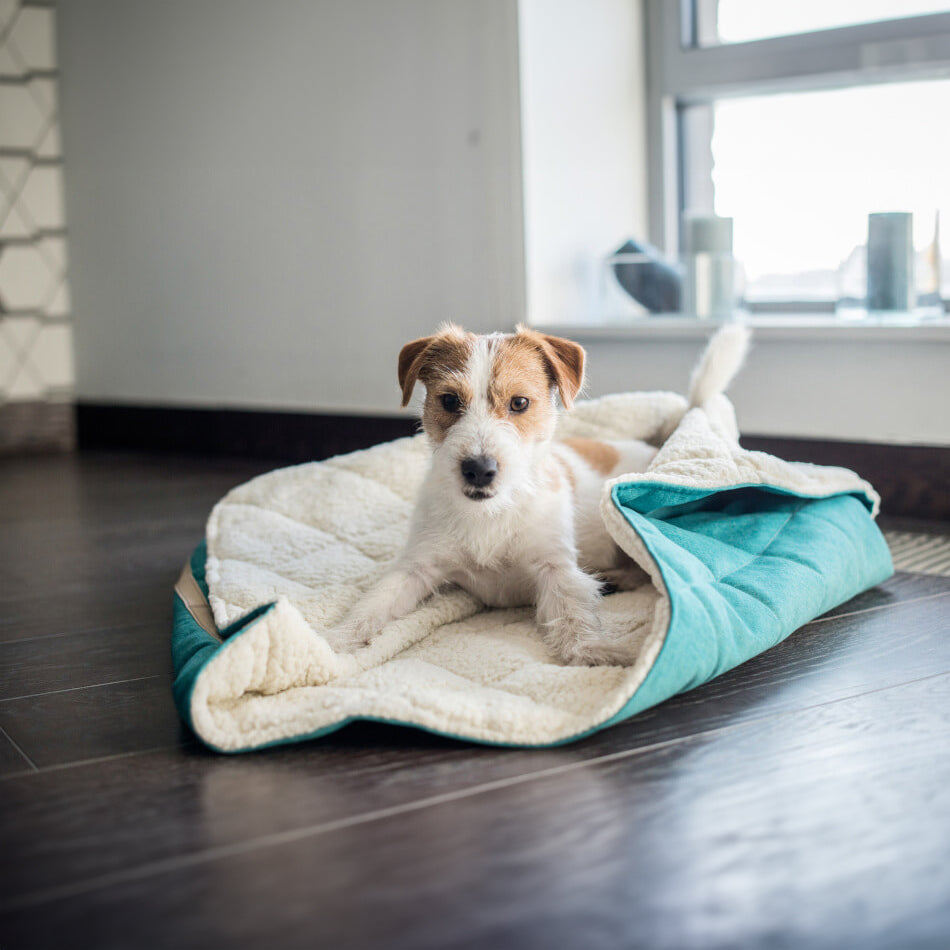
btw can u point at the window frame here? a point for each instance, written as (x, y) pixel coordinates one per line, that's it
(681, 73)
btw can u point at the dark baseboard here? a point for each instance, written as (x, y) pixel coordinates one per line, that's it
(913, 480)
(282, 436)
(35, 427)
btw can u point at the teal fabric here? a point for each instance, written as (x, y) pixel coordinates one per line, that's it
(744, 567)
(192, 646)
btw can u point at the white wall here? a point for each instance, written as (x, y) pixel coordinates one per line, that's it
(873, 391)
(584, 153)
(266, 199)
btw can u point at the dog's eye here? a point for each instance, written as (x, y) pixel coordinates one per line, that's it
(451, 402)
(518, 404)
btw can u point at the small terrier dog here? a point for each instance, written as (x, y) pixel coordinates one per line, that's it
(506, 511)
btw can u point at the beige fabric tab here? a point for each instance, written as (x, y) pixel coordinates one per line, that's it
(195, 601)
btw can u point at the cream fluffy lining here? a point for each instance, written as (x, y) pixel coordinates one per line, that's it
(312, 538)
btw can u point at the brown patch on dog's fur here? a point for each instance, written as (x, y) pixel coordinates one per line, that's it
(443, 353)
(436, 421)
(565, 470)
(526, 364)
(563, 359)
(518, 369)
(600, 456)
(439, 362)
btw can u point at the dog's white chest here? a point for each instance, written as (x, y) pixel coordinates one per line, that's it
(509, 585)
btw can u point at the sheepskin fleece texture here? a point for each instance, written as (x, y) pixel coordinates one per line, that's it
(289, 552)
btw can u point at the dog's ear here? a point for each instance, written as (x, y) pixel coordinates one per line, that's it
(411, 358)
(450, 347)
(565, 360)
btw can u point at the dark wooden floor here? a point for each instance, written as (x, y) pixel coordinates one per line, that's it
(802, 800)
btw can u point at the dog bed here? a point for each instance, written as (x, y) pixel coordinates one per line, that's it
(738, 550)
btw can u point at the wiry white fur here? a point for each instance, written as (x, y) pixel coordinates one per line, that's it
(479, 433)
(539, 539)
(596, 550)
(720, 362)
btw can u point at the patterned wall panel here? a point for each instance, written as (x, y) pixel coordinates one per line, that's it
(36, 353)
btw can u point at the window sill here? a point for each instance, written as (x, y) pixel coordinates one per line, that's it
(797, 327)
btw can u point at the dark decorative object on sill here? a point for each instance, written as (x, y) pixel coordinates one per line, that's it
(653, 281)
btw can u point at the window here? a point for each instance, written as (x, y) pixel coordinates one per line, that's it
(740, 21)
(798, 120)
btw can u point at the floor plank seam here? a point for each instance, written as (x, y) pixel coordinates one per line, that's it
(90, 631)
(867, 610)
(73, 689)
(16, 745)
(276, 839)
(101, 759)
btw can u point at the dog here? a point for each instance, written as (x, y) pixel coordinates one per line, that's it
(507, 511)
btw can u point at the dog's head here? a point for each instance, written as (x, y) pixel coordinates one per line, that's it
(490, 407)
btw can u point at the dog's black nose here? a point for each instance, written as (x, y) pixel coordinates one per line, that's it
(479, 471)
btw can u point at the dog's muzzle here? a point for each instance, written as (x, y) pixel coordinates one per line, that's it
(478, 473)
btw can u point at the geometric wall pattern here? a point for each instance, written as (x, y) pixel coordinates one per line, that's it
(36, 350)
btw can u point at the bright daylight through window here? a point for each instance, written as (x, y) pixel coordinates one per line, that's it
(819, 128)
(739, 21)
(832, 157)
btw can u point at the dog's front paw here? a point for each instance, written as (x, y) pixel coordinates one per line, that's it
(596, 653)
(581, 641)
(354, 632)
